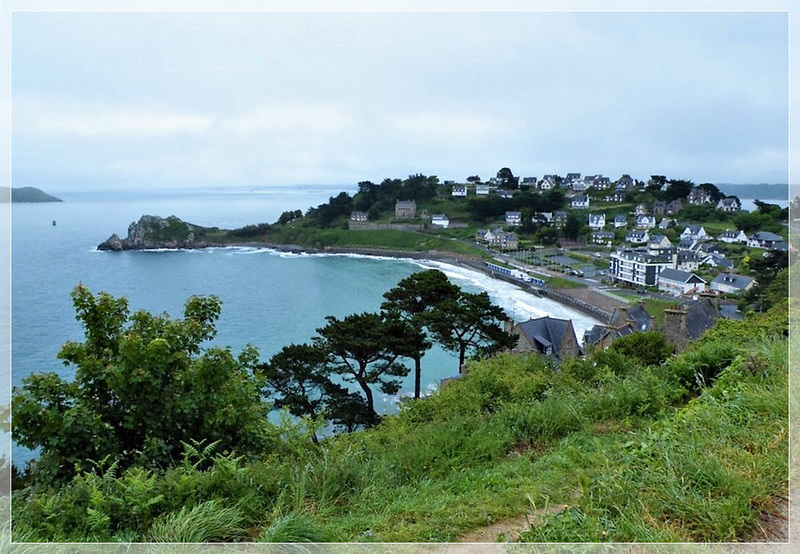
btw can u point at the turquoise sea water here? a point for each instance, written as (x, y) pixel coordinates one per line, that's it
(270, 299)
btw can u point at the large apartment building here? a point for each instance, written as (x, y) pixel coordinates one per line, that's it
(638, 267)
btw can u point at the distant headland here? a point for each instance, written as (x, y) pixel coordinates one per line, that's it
(26, 194)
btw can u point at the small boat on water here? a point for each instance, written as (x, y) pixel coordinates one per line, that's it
(54, 223)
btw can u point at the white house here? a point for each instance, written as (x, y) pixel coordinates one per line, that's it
(603, 237)
(548, 182)
(729, 204)
(638, 237)
(459, 191)
(514, 218)
(440, 220)
(597, 221)
(695, 232)
(731, 283)
(482, 190)
(730, 236)
(678, 283)
(581, 201)
(764, 239)
(645, 221)
(620, 221)
(358, 216)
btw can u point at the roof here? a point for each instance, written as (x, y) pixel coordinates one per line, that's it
(700, 316)
(766, 235)
(679, 276)
(546, 331)
(637, 316)
(733, 280)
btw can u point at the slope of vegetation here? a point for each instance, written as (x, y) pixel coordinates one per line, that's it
(631, 444)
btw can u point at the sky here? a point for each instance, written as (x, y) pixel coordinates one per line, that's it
(119, 99)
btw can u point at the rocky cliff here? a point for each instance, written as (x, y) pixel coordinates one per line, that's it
(153, 232)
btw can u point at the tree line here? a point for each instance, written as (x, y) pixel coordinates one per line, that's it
(144, 385)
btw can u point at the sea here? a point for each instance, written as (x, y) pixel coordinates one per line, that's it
(270, 299)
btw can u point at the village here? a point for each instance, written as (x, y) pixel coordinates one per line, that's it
(631, 243)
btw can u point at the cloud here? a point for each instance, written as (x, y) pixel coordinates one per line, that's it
(110, 122)
(291, 118)
(461, 128)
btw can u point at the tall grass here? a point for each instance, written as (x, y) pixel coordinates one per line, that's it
(690, 450)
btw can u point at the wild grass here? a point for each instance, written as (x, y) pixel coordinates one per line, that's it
(602, 449)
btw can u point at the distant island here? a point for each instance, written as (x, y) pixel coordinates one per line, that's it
(26, 194)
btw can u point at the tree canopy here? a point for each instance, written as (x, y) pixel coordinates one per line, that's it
(143, 385)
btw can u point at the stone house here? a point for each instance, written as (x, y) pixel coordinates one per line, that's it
(549, 337)
(405, 209)
(687, 322)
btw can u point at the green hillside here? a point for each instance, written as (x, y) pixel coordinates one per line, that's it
(623, 446)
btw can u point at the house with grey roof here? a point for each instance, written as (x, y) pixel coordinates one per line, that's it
(659, 208)
(732, 236)
(359, 216)
(514, 218)
(603, 238)
(695, 232)
(405, 209)
(731, 283)
(729, 204)
(597, 221)
(638, 236)
(620, 221)
(644, 221)
(559, 219)
(625, 182)
(679, 283)
(528, 182)
(764, 239)
(549, 337)
(580, 202)
(689, 321)
(624, 321)
(686, 260)
(717, 261)
(674, 207)
(440, 220)
(459, 191)
(666, 223)
(698, 196)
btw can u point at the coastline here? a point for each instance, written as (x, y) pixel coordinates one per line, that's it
(565, 296)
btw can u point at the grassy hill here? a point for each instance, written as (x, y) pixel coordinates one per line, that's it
(616, 447)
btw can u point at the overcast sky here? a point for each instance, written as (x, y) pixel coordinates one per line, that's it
(175, 99)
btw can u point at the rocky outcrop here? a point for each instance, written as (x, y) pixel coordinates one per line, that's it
(152, 232)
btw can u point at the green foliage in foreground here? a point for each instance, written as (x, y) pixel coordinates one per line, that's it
(606, 449)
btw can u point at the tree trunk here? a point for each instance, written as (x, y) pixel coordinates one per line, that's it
(417, 375)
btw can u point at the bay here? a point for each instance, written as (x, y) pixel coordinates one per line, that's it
(269, 299)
